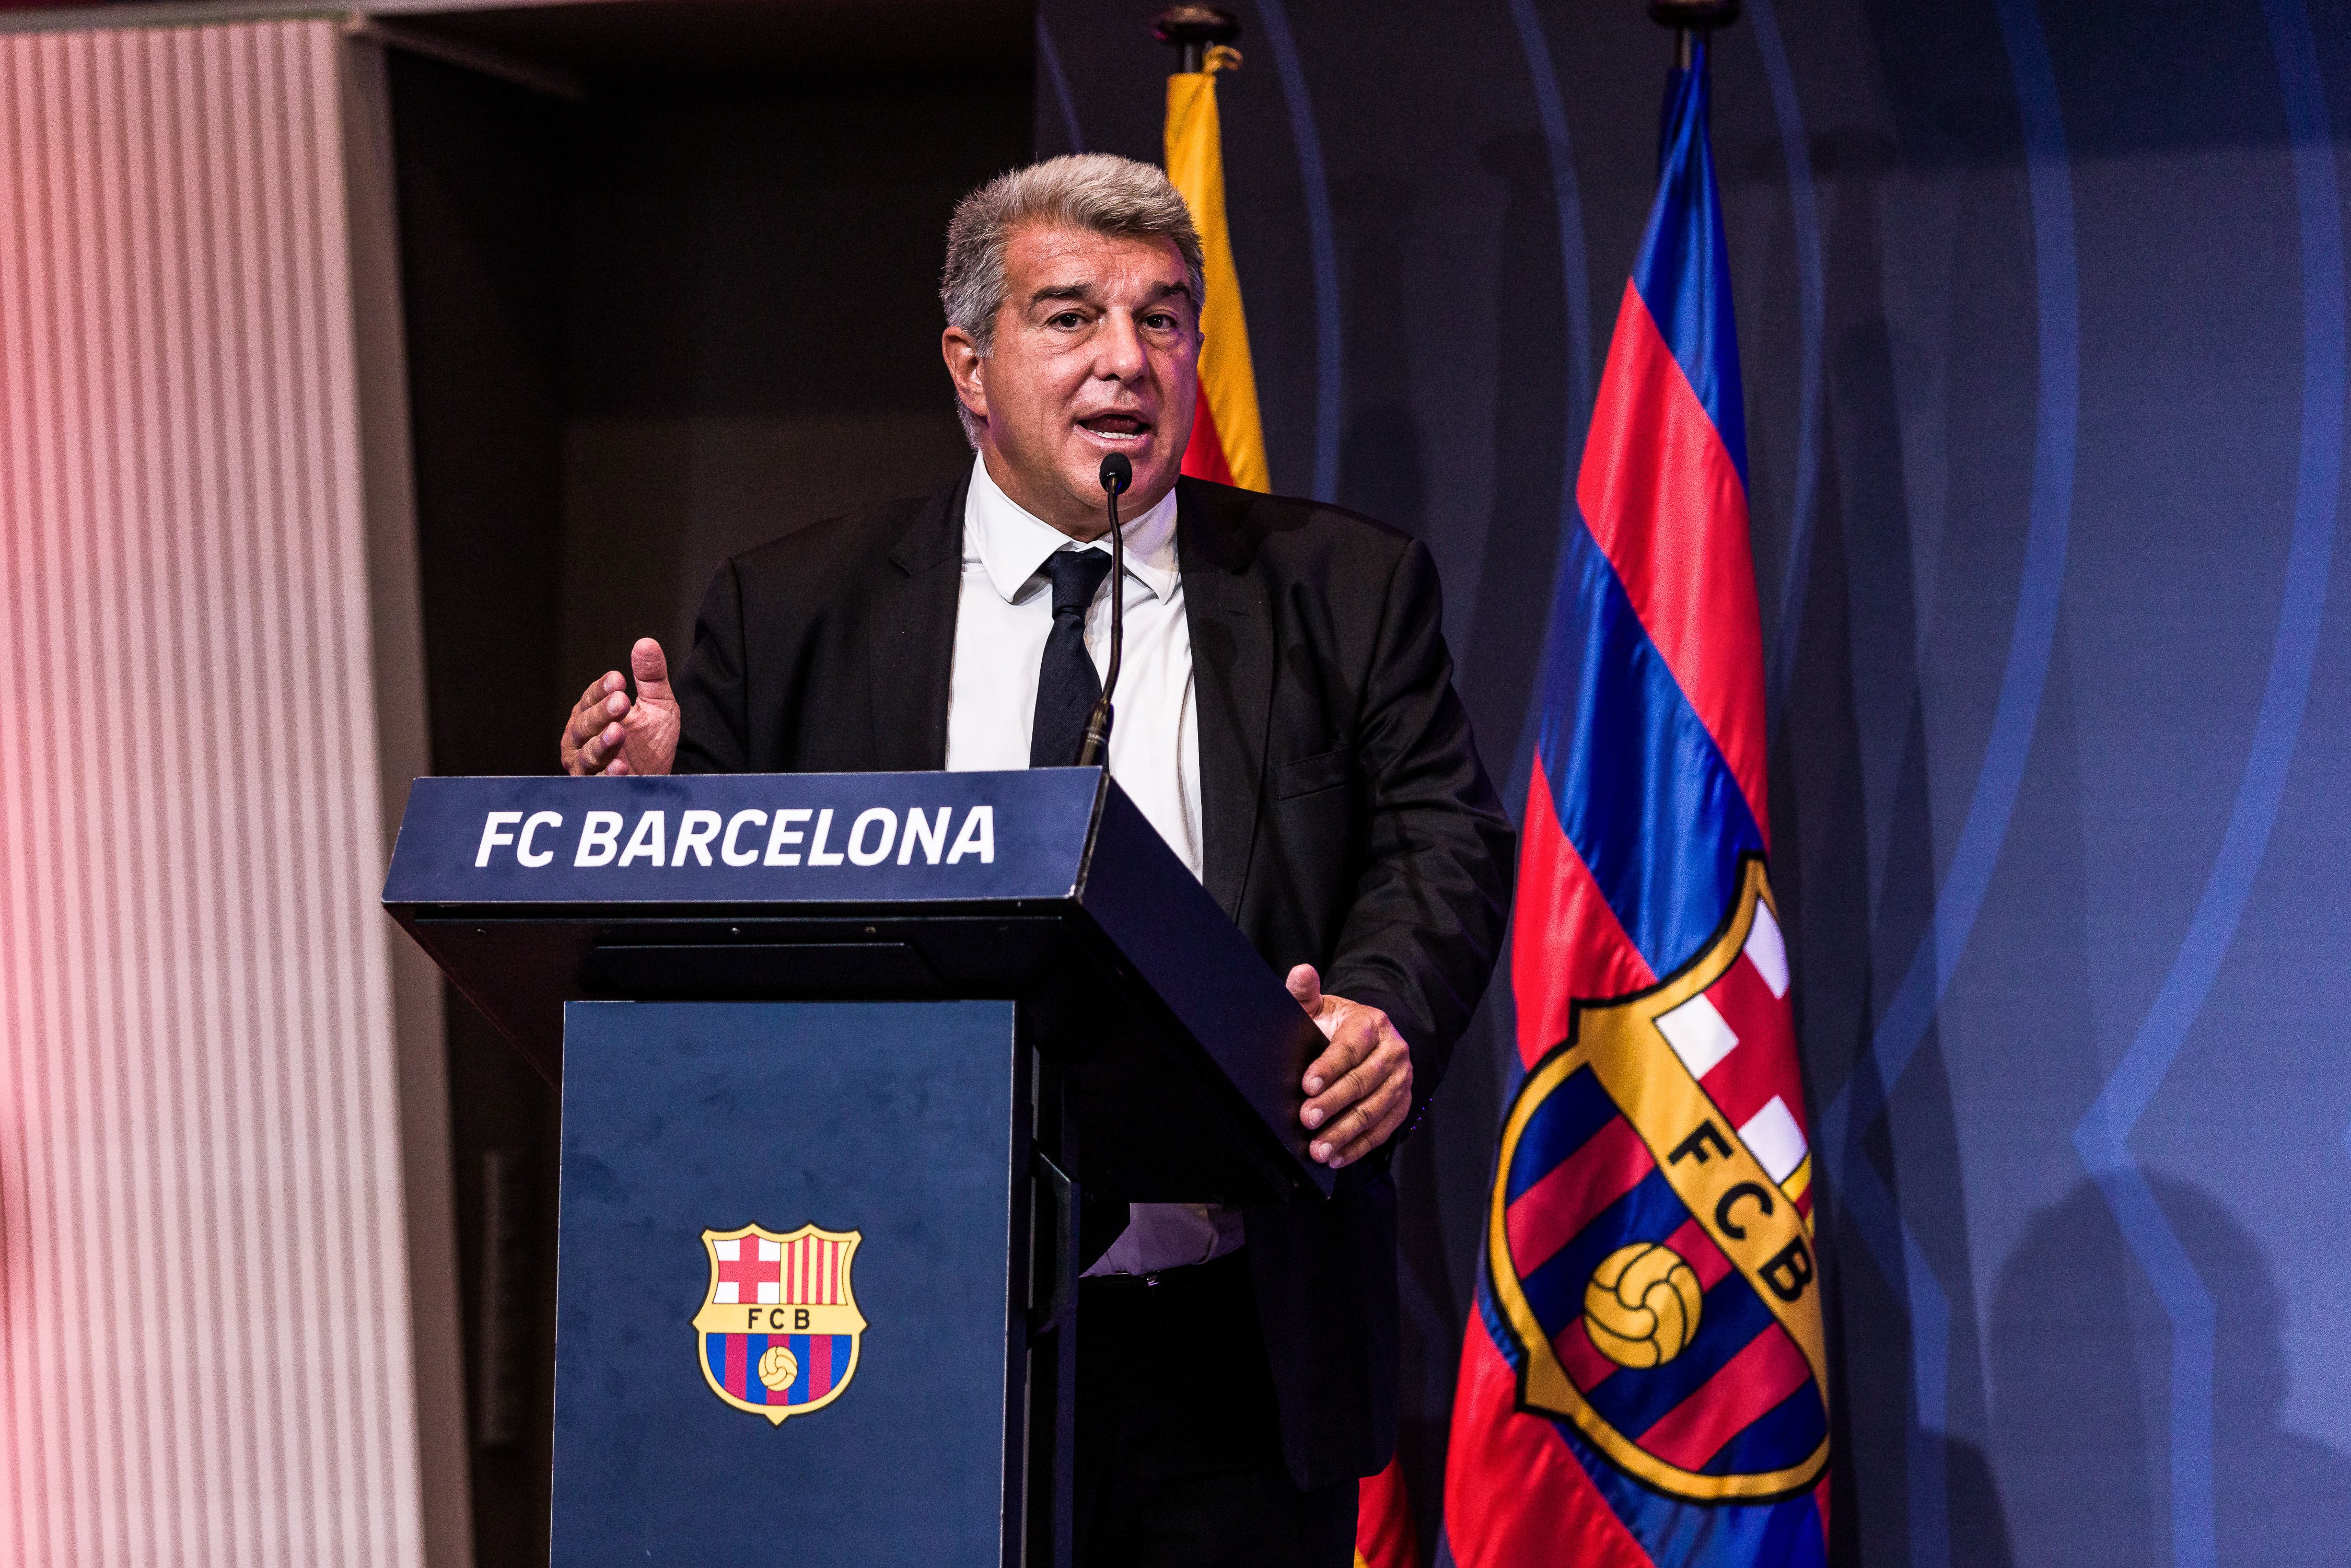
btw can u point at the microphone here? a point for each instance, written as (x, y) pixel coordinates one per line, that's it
(1117, 474)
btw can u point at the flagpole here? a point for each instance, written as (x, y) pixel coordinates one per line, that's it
(1688, 18)
(1193, 30)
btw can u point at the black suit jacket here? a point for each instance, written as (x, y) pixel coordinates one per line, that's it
(1346, 820)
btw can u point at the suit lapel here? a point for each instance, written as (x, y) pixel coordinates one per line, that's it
(912, 635)
(1231, 624)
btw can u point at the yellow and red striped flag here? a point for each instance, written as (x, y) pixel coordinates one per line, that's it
(1227, 443)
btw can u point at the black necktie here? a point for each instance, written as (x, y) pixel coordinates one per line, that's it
(1067, 685)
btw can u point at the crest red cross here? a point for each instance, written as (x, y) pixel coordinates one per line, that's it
(749, 1271)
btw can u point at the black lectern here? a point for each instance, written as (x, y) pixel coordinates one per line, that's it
(836, 1052)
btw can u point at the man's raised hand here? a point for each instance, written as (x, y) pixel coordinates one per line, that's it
(1360, 1084)
(611, 734)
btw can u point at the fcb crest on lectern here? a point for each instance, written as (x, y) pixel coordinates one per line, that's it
(779, 1333)
(1649, 1246)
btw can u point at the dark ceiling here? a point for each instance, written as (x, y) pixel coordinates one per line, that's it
(647, 42)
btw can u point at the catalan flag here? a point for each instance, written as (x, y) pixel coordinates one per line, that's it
(1644, 1384)
(1227, 442)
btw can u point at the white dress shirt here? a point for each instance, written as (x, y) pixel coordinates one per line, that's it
(1003, 615)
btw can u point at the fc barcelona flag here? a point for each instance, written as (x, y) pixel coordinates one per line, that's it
(1644, 1380)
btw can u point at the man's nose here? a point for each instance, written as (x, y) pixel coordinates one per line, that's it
(1118, 347)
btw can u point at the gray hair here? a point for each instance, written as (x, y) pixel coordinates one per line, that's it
(1097, 192)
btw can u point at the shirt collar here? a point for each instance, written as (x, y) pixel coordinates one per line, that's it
(1012, 542)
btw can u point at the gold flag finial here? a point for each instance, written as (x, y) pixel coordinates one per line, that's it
(1202, 36)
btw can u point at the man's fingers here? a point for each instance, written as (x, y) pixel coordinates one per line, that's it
(1342, 1142)
(1355, 1038)
(1352, 1086)
(602, 686)
(1372, 1138)
(596, 710)
(611, 710)
(595, 703)
(1365, 1126)
(578, 731)
(1361, 1086)
(593, 730)
(600, 747)
(1356, 1085)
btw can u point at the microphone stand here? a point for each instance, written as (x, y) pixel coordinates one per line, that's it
(1117, 474)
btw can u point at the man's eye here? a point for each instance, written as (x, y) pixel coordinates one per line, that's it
(1160, 322)
(1066, 318)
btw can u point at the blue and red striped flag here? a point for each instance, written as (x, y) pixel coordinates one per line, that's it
(1644, 1381)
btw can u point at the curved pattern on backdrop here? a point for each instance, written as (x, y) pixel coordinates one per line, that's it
(2103, 1136)
(1322, 245)
(1862, 1100)
(1550, 113)
(1049, 60)
(1812, 314)
(1575, 273)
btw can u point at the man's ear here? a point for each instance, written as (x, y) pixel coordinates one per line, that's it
(967, 368)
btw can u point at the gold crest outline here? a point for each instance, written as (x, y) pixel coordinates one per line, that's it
(1619, 1039)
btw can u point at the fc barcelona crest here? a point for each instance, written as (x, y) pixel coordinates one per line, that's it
(779, 1332)
(1650, 1244)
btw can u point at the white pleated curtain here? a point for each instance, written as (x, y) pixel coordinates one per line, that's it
(205, 1349)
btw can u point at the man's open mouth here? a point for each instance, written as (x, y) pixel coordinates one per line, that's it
(1117, 426)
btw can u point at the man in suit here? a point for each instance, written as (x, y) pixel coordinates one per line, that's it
(1287, 721)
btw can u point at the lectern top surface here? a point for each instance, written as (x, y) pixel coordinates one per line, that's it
(740, 839)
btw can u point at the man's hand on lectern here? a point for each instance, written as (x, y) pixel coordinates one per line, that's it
(611, 734)
(1362, 1085)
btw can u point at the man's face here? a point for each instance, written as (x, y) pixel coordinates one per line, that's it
(1097, 351)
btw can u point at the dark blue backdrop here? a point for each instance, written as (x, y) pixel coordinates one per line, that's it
(2042, 313)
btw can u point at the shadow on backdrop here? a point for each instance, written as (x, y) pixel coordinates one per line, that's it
(2081, 1396)
(1382, 476)
(1854, 860)
(1501, 653)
